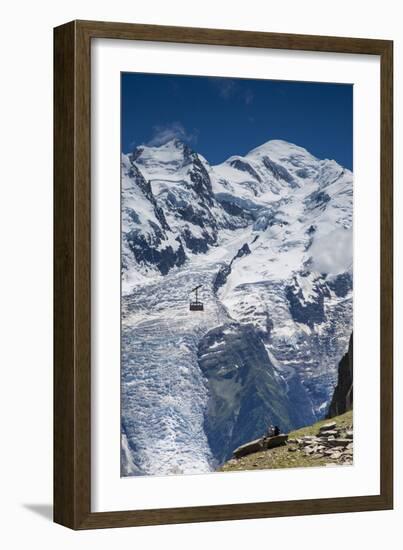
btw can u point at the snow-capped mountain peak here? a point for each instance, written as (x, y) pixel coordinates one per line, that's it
(278, 150)
(166, 159)
(268, 236)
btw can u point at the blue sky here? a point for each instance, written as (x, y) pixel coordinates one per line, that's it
(220, 117)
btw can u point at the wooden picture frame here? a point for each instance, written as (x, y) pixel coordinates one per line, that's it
(72, 271)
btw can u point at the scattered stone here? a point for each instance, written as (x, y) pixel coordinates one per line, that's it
(347, 459)
(349, 434)
(292, 449)
(338, 442)
(322, 440)
(336, 455)
(329, 452)
(326, 427)
(307, 441)
(318, 448)
(328, 433)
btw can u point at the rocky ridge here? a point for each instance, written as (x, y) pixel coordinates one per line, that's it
(342, 399)
(322, 444)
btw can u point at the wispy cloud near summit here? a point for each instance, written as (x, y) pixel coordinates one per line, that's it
(162, 134)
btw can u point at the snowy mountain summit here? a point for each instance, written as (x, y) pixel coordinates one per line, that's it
(268, 235)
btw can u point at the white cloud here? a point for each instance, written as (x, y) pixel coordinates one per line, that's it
(162, 134)
(333, 253)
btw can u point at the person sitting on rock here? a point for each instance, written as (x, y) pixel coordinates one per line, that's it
(270, 431)
(276, 430)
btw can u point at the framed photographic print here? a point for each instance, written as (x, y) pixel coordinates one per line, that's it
(223, 275)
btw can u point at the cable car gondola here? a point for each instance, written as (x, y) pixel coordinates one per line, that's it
(196, 305)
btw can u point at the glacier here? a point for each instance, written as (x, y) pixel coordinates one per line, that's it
(268, 235)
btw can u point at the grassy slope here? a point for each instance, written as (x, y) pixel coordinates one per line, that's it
(281, 457)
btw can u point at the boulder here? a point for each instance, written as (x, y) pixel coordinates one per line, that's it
(327, 427)
(275, 441)
(248, 448)
(261, 444)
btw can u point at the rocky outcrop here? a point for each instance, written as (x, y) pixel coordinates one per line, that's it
(262, 444)
(225, 270)
(248, 448)
(323, 444)
(308, 311)
(330, 442)
(147, 238)
(342, 399)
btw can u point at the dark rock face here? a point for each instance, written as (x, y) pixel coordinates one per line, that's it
(309, 312)
(201, 180)
(279, 172)
(198, 245)
(145, 187)
(243, 251)
(342, 400)
(148, 247)
(221, 277)
(300, 408)
(317, 199)
(225, 270)
(245, 167)
(269, 219)
(235, 210)
(148, 253)
(342, 284)
(246, 394)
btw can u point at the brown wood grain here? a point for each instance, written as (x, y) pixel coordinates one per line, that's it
(72, 269)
